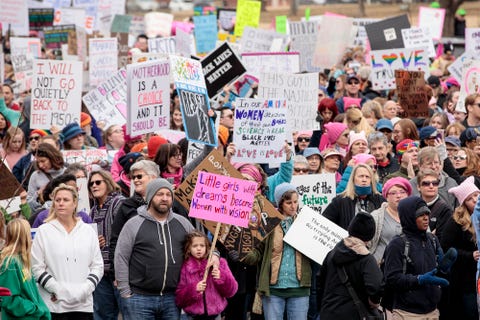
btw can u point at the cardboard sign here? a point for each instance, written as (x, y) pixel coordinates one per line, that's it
(10, 186)
(108, 102)
(194, 102)
(84, 157)
(248, 15)
(221, 67)
(263, 218)
(103, 60)
(385, 62)
(315, 190)
(432, 19)
(314, 235)
(260, 130)
(417, 37)
(260, 40)
(121, 23)
(270, 62)
(387, 33)
(38, 18)
(456, 68)
(472, 40)
(14, 16)
(194, 151)
(300, 91)
(55, 36)
(162, 45)
(148, 87)
(56, 93)
(411, 93)
(158, 24)
(303, 36)
(223, 199)
(205, 33)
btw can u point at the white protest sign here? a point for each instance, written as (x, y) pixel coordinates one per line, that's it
(23, 51)
(162, 45)
(83, 198)
(472, 40)
(456, 68)
(470, 83)
(85, 157)
(301, 93)
(14, 16)
(258, 62)
(385, 62)
(158, 24)
(24, 46)
(361, 37)
(56, 93)
(148, 87)
(419, 37)
(108, 102)
(11, 205)
(314, 235)
(103, 60)
(260, 128)
(2, 68)
(194, 151)
(76, 16)
(259, 40)
(315, 190)
(303, 36)
(433, 19)
(183, 43)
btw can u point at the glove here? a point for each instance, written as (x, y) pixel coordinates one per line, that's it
(445, 263)
(429, 278)
(234, 255)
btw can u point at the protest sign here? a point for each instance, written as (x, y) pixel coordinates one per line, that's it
(361, 38)
(270, 62)
(260, 130)
(14, 16)
(38, 18)
(76, 16)
(412, 95)
(85, 157)
(387, 33)
(303, 36)
(55, 36)
(417, 37)
(326, 56)
(432, 19)
(247, 15)
(281, 24)
(183, 42)
(103, 60)
(108, 102)
(137, 27)
(314, 235)
(194, 102)
(260, 40)
(23, 50)
(91, 9)
(83, 197)
(221, 67)
(162, 45)
(10, 186)
(223, 199)
(469, 82)
(147, 56)
(385, 62)
(122, 48)
(301, 93)
(205, 33)
(56, 93)
(194, 151)
(472, 40)
(121, 23)
(158, 24)
(226, 19)
(315, 190)
(171, 135)
(456, 68)
(11, 205)
(148, 87)
(263, 218)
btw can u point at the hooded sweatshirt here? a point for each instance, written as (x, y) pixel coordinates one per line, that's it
(409, 295)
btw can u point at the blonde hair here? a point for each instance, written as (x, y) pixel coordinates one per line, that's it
(18, 245)
(461, 215)
(350, 189)
(53, 214)
(354, 114)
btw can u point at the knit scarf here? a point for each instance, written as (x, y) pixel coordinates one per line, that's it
(177, 177)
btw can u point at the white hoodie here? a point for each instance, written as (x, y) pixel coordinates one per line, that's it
(69, 265)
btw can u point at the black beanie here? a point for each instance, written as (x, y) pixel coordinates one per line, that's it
(128, 160)
(362, 226)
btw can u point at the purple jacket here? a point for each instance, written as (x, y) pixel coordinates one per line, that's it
(217, 292)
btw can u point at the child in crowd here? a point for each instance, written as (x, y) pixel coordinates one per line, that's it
(203, 299)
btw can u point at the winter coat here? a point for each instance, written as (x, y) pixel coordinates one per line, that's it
(342, 185)
(364, 275)
(384, 170)
(446, 183)
(439, 216)
(216, 293)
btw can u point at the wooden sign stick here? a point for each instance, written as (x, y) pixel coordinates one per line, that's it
(214, 242)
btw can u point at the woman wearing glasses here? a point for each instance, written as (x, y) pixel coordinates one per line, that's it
(428, 183)
(107, 199)
(466, 162)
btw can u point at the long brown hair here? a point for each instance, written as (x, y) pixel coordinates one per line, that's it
(18, 245)
(189, 240)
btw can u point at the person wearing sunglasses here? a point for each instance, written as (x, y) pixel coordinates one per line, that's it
(352, 90)
(107, 199)
(300, 165)
(466, 162)
(302, 141)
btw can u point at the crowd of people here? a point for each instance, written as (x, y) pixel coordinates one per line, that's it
(407, 191)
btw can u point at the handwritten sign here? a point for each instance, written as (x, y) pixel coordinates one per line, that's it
(259, 40)
(103, 58)
(84, 157)
(194, 150)
(260, 128)
(121, 23)
(315, 190)
(300, 91)
(183, 43)
(469, 83)
(55, 36)
(223, 199)
(248, 14)
(14, 14)
(162, 45)
(304, 39)
(270, 62)
(56, 93)
(158, 24)
(314, 235)
(23, 51)
(419, 37)
(385, 62)
(149, 97)
(205, 33)
(361, 38)
(472, 40)
(38, 18)
(432, 19)
(76, 16)
(411, 93)
(456, 68)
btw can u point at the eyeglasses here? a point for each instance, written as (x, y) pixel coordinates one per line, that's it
(177, 155)
(353, 83)
(298, 170)
(137, 176)
(434, 183)
(36, 138)
(303, 139)
(397, 193)
(460, 157)
(96, 182)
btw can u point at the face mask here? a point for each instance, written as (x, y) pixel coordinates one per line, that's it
(363, 191)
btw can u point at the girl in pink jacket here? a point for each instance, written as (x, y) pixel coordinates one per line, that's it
(203, 299)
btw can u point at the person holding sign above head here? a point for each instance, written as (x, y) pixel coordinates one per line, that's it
(285, 273)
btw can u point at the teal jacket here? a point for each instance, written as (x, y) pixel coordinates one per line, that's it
(284, 174)
(12, 116)
(25, 302)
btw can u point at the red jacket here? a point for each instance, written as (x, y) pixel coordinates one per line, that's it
(217, 291)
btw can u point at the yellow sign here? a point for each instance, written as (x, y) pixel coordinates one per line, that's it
(248, 14)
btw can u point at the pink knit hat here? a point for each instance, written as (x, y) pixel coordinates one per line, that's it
(249, 169)
(334, 130)
(305, 133)
(398, 181)
(357, 136)
(363, 158)
(351, 102)
(464, 190)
